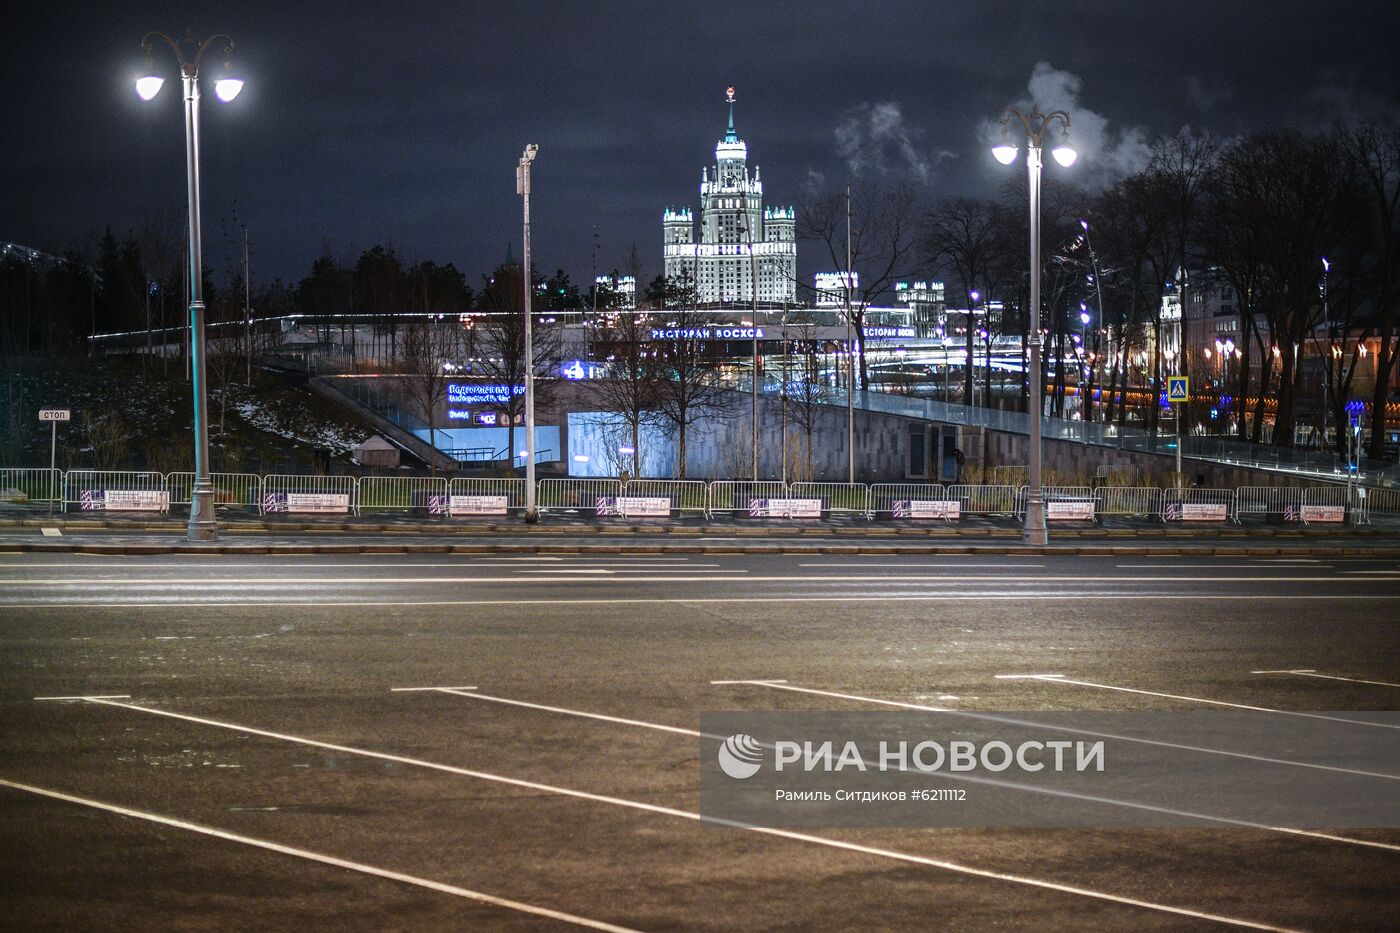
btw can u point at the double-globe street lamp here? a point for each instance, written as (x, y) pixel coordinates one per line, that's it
(202, 526)
(1036, 124)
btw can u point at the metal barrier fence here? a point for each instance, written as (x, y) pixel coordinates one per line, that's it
(883, 496)
(1061, 502)
(1135, 501)
(735, 495)
(1325, 504)
(1197, 505)
(231, 490)
(512, 489)
(24, 486)
(836, 498)
(559, 495)
(686, 495)
(129, 491)
(985, 500)
(333, 495)
(115, 490)
(400, 493)
(1379, 502)
(1279, 503)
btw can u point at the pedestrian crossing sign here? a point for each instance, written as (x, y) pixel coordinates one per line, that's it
(1177, 389)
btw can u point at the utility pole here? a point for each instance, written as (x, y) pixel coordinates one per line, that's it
(247, 312)
(522, 188)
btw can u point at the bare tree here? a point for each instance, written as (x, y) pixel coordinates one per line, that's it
(1375, 156)
(962, 235)
(884, 225)
(500, 346)
(688, 387)
(430, 347)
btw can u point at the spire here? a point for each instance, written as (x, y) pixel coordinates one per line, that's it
(730, 136)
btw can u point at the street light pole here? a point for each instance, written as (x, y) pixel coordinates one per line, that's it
(850, 356)
(522, 187)
(202, 526)
(1035, 124)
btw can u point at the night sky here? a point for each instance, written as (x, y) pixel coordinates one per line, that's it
(401, 123)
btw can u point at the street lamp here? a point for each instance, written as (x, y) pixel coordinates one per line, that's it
(202, 526)
(522, 188)
(1035, 124)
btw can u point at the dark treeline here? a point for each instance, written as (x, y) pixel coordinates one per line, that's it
(1251, 218)
(138, 282)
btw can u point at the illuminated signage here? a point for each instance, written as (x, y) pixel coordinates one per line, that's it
(477, 393)
(705, 333)
(886, 330)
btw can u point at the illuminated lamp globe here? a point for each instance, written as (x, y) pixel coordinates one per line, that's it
(148, 86)
(1064, 154)
(1005, 153)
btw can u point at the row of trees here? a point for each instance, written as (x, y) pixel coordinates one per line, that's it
(1255, 217)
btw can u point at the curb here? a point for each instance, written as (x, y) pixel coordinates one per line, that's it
(1095, 550)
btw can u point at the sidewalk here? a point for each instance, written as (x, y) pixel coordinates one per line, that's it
(556, 536)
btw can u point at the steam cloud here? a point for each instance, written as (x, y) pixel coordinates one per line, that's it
(874, 139)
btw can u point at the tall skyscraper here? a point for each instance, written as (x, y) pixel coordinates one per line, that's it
(737, 233)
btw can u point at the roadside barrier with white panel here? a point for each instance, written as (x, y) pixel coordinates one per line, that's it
(985, 500)
(1324, 504)
(1197, 505)
(484, 495)
(323, 495)
(423, 494)
(836, 498)
(912, 500)
(20, 486)
(738, 496)
(684, 495)
(1131, 501)
(1062, 503)
(582, 495)
(115, 491)
(231, 490)
(1277, 503)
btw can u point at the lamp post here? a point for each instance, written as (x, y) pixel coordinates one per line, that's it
(747, 226)
(847, 285)
(522, 188)
(1036, 124)
(202, 526)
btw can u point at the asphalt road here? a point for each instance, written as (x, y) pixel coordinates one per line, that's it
(251, 743)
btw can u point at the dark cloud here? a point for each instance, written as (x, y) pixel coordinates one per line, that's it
(365, 123)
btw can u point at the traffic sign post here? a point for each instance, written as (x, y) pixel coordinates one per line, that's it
(1178, 394)
(53, 416)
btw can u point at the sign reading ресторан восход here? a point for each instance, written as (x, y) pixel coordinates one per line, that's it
(1137, 768)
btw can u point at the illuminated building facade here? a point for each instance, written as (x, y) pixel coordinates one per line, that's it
(736, 233)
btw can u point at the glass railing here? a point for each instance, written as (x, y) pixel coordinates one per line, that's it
(1305, 463)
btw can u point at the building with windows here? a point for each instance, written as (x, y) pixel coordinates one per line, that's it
(740, 238)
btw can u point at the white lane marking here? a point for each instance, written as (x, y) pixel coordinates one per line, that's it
(1013, 785)
(425, 689)
(808, 578)
(943, 566)
(1379, 573)
(719, 682)
(51, 532)
(1061, 679)
(906, 857)
(1008, 596)
(553, 570)
(601, 717)
(1288, 830)
(107, 696)
(1204, 566)
(972, 714)
(324, 859)
(1309, 672)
